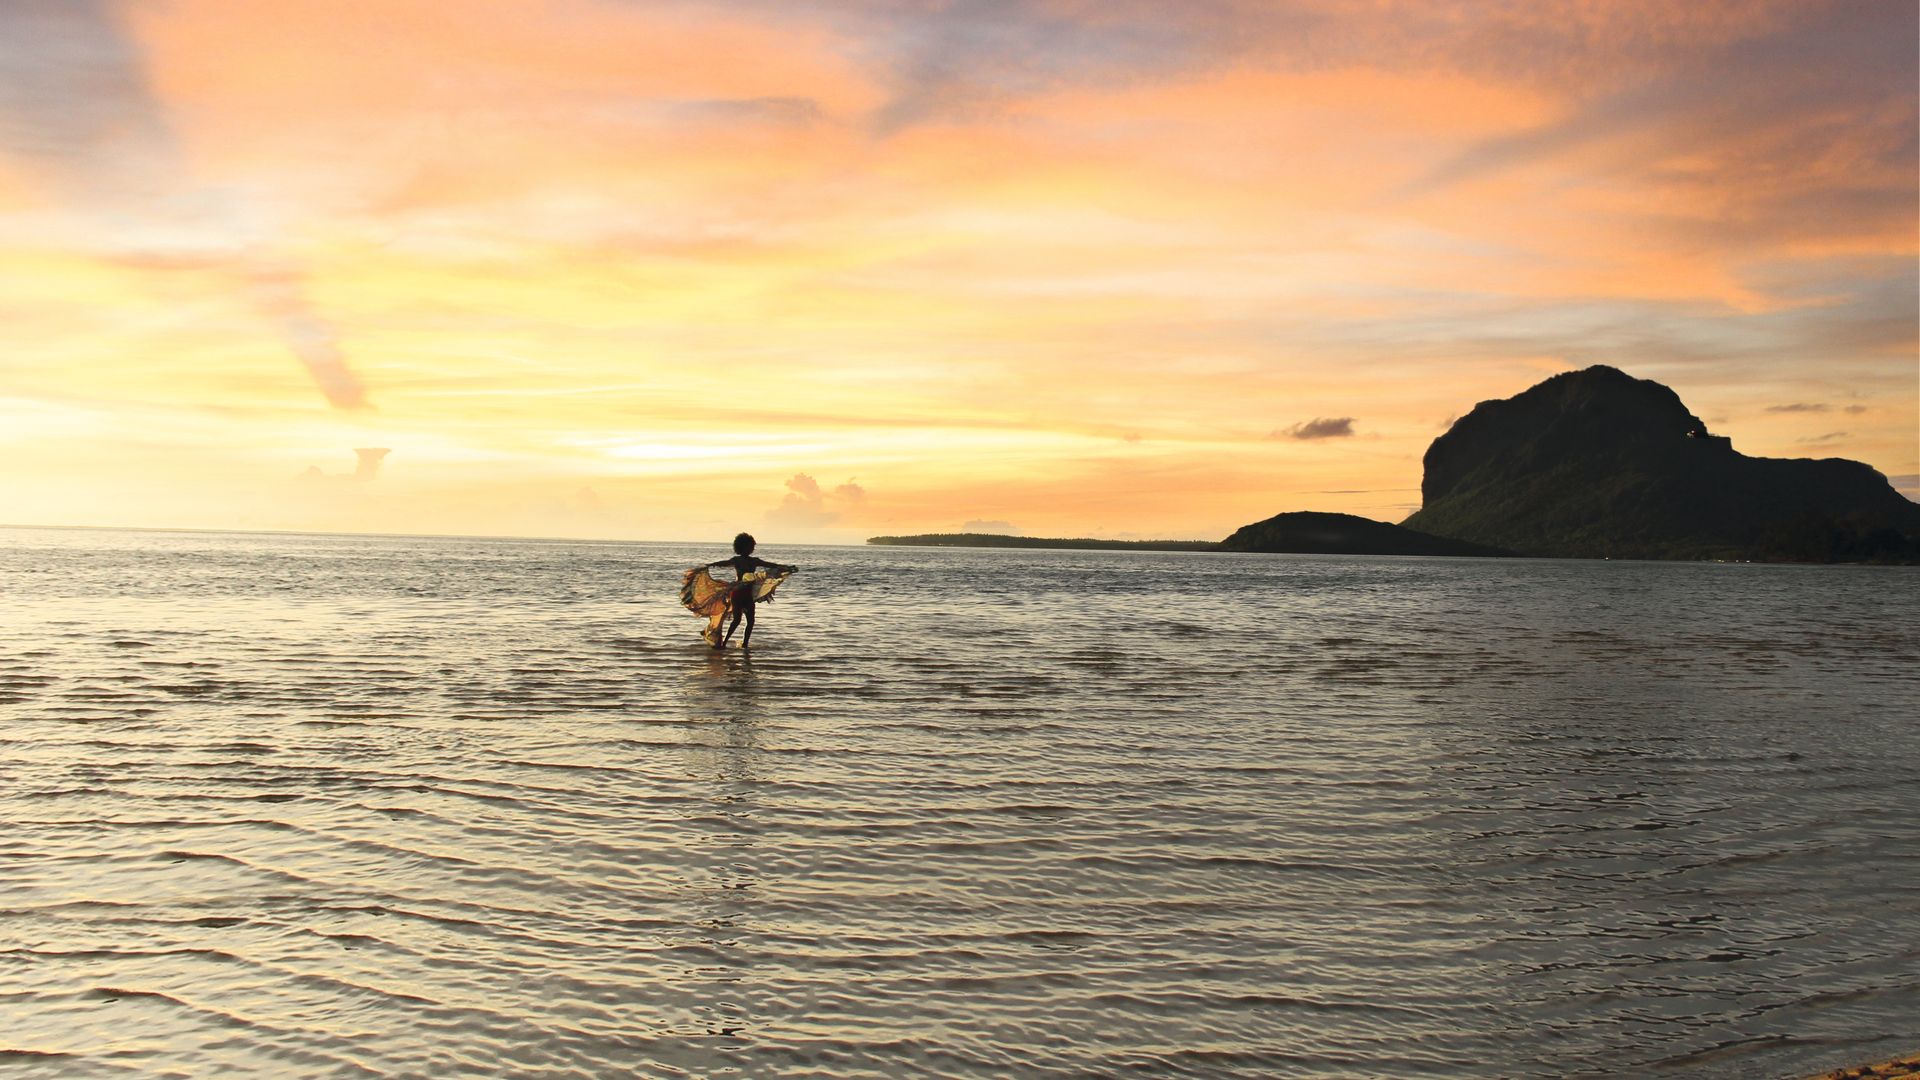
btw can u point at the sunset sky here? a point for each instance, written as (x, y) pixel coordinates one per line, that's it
(665, 270)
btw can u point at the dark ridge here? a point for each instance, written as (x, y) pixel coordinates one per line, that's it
(1308, 532)
(995, 540)
(1597, 463)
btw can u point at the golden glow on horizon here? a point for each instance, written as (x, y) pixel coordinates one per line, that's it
(666, 270)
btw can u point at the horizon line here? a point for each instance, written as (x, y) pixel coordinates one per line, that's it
(368, 535)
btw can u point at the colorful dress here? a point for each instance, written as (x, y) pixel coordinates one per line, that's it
(704, 594)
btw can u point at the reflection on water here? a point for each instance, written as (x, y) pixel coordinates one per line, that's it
(351, 806)
(723, 709)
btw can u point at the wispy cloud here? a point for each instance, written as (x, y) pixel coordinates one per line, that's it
(788, 110)
(1745, 129)
(76, 106)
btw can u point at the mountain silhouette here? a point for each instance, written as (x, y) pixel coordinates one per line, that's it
(1597, 463)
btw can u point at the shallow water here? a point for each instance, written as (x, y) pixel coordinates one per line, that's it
(331, 806)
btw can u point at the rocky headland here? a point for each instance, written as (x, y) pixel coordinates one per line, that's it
(1599, 464)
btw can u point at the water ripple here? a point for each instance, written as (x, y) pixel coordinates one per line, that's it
(333, 806)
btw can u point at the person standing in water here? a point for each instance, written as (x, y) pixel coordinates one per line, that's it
(745, 567)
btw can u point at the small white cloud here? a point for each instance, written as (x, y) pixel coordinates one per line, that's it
(995, 527)
(365, 470)
(807, 506)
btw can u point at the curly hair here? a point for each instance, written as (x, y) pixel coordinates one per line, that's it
(743, 544)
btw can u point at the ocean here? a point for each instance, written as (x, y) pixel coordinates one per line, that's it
(332, 806)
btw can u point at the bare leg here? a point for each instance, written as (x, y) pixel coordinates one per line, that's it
(747, 638)
(731, 627)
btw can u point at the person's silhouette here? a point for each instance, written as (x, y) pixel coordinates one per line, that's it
(741, 602)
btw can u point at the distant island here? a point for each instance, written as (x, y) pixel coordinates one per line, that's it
(1304, 532)
(995, 540)
(1310, 532)
(1587, 464)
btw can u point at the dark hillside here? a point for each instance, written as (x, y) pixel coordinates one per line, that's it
(1597, 463)
(1309, 532)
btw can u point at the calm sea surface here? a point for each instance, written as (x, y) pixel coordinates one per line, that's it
(348, 807)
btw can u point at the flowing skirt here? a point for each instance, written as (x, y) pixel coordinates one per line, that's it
(704, 594)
